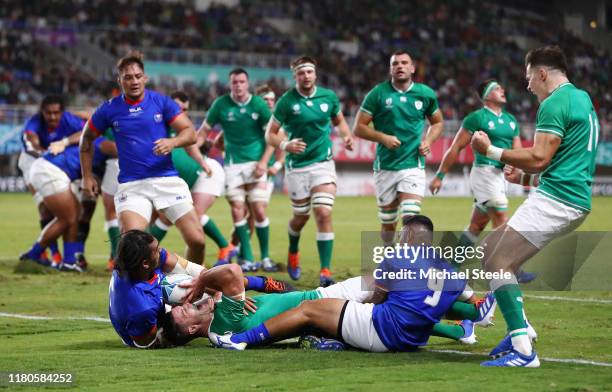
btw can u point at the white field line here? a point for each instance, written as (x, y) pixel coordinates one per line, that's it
(558, 360)
(570, 299)
(465, 353)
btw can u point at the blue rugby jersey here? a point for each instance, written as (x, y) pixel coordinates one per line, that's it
(69, 160)
(69, 124)
(136, 126)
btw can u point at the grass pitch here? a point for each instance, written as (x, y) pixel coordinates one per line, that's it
(568, 329)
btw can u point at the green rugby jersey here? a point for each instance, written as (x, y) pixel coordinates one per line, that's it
(501, 130)
(229, 313)
(243, 127)
(308, 118)
(401, 114)
(189, 170)
(569, 113)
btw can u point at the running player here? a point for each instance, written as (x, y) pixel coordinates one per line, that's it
(147, 180)
(51, 128)
(242, 117)
(397, 110)
(51, 176)
(563, 155)
(305, 113)
(205, 180)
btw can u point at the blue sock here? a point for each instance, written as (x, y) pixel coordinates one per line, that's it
(80, 247)
(54, 248)
(35, 251)
(257, 283)
(253, 336)
(70, 248)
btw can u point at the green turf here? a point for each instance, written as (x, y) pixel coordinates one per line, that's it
(95, 354)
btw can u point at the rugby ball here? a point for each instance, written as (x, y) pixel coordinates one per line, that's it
(171, 290)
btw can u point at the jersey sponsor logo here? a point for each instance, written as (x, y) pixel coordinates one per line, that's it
(501, 121)
(135, 110)
(324, 107)
(491, 125)
(389, 102)
(255, 116)
(418, 105)
(181, 197)
(296, 108)
(157, 117)
(403, 99)
(122, 197)
(116, 126)
(309, 103)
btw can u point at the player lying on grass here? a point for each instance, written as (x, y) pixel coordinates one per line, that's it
(135, 294)
(51, 176)
(214, 318)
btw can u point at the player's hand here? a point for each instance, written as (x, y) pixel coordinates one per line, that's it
(260, 169)
(249, 306)
(480, 142)
(348, 142)
(435, 185)
(89, 186)
(57, 147)
(296, 146)
(512, 174)
(391, 142)
(272, 171)
(424, 148)
(194, 290)
(206, 169)
(164, 146)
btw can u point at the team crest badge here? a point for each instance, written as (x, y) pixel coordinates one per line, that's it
(157, 117)
(418, 105)
(255, 116)
(324, 107)
(512, 125)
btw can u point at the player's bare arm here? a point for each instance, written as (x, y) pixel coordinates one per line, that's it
(532, 159)
(60, 145)
(363, 130)
(461, 140)
(185, 136)
(274, 138)
(340, 122)
(86, 152)
(193, 151)
(436, 126)
(262, 165)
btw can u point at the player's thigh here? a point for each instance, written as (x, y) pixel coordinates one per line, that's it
(356, 327)
(189, 227)
(324, 314)
(385, 186)
(352, 289)
(411, 184)
(202, 201)
(298, 184)
(63, 205)
(510, 252)
(131, 220)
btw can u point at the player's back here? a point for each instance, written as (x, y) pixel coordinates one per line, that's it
(414, 304)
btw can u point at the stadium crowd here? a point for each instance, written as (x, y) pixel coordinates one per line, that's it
(455, 46)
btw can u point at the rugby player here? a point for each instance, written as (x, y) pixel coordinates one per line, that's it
(52, 128)
(304, 113)
(139, 119)
(397, 109)
(242, 117)
(561, 163)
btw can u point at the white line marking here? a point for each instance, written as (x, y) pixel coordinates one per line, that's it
(553, 298)
(558, 360)
(29, 317)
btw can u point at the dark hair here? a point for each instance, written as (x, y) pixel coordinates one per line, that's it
(401, 51)
(132, 58)
(238, 71)
(171, 333)
(548, 56)
(263, 89)
(52, 100)
(180, 95)
(420, 220)
(132, 249)
(482, 85)
(303, 60)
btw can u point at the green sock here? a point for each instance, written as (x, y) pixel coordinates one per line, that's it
(449, 331)
(294, 240)
(158, 230)
(262, 229)
(242, 231)
(510, 300)
(462, 311)
(112, 229)
(211, 230)
(325, 246)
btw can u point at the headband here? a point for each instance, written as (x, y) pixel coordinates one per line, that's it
(304, 65)
(490, 86)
